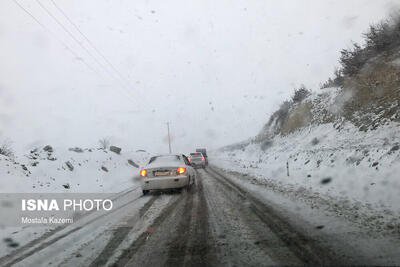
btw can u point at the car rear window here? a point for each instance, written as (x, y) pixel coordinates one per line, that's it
(168, 158)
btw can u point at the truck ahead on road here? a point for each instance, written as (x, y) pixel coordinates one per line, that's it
(204, 152)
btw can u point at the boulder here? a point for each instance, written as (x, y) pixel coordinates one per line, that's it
(48, 148)
(131, 162)
(69, 165)
(76, 149)
(395, 148)
(115, 149)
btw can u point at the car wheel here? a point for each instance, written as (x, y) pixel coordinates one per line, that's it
(145, 192)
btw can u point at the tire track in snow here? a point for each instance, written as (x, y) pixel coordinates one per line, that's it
(304, 248)
(10, 259)
(136, 245)
(119, 235)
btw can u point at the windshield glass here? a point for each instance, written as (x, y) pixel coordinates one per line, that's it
(199, 133)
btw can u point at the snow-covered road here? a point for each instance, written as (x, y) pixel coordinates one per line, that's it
(222, 221)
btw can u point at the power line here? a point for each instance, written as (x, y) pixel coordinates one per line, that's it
(66, 30)
(78, 42)
(58, 39)
(55, 36)
(90, 43)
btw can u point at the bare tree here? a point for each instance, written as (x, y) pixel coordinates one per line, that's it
(104, 143)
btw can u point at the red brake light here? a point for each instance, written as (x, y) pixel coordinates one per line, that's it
(180, 170)
(202, 158)
(143, 173)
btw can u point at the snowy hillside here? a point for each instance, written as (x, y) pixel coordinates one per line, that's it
(346, 164)
(318, 151)
(337, 147)
(73, 170)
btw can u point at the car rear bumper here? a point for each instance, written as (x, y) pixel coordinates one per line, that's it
(198, 164)
(165, 183)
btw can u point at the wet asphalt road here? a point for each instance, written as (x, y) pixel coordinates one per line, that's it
(218, 224)
(215, 223)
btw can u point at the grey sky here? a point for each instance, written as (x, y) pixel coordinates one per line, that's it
(214, 69)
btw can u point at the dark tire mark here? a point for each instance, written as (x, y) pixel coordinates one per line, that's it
(177, 249)
(119, 235)
(183, 237)
(147, 206)
(303, 247)
(236, 231)
(52, 241)
(53, 231)
(141, 240)
(201, 249)
(42, 246)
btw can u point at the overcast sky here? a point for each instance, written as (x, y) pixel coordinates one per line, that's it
(214, 69)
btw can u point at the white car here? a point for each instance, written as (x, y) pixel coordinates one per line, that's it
(167, 172)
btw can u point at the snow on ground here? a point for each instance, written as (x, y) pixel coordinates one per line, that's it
(363, 239)
(45, 170)
(346, 168)
(70, 171)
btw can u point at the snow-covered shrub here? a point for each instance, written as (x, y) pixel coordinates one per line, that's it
(300, 94)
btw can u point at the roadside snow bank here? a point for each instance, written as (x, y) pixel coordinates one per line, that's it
(348, 165)
(61, 170)
(73, 170)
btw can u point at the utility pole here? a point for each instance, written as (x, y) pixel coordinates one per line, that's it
(169, 139)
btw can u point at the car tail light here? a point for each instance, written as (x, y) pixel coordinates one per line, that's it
(189, 159)
(143, 173)
(180, 170)
(202, 158)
